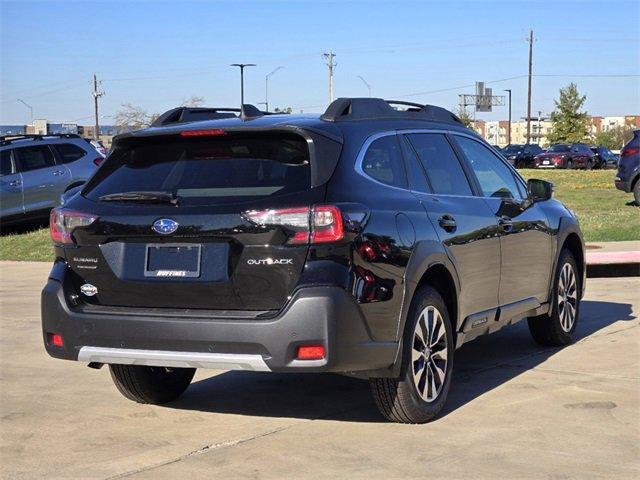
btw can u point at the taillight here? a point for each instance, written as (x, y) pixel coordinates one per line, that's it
(98, 161)
(322, 224)
(327, 225)
(626, 151)
(63, 222)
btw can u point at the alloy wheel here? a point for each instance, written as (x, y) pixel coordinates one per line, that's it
(567, 297)
(429, 354)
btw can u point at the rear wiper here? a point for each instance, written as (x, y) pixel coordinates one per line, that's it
(150, 197)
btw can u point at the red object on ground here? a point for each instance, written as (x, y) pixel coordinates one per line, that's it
(604, 258)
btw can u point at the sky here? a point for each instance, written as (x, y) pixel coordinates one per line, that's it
(155, 54)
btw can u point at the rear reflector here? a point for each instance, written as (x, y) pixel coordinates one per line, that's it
(210, 132)
(55, 339)
(322, 224)
(98, 161)
(310, 352)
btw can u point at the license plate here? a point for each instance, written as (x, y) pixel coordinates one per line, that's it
(546, 162)
(173, 260)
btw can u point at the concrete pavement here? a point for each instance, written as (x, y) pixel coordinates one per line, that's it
(515, 410)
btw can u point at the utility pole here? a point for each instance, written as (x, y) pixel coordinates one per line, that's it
(96, 95)
(539, 134)
(529, 90)
(366, 83)
(242, 66)
(509, 127)
(328, 57)
(266, 88)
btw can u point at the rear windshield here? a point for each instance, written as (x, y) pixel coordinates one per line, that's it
(207, 170)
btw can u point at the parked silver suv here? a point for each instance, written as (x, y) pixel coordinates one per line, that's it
(35, 170)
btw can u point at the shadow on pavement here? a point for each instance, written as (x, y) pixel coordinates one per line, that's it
(499, 357)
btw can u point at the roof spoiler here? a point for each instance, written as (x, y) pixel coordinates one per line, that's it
(195, 114)
(344, 109)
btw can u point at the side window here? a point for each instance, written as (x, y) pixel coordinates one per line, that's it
(33, 158)
(6, 165)
(383, 162)
(68, 152)
(443, 168)
(495, 178)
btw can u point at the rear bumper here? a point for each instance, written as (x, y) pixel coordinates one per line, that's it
(623, 182)
(325, 315)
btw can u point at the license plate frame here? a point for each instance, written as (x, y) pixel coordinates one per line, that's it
(172, 273)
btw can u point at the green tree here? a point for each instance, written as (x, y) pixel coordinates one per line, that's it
(615, 137)
(464, 116)
(570, 125)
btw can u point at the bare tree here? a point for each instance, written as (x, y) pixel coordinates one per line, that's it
(132, 117)
(464, 116)
(192, 101)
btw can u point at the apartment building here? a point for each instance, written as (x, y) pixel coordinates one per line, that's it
(496, 132)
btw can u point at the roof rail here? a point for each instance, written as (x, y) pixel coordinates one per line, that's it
(8, 139)
(195, 114)
(344, 109)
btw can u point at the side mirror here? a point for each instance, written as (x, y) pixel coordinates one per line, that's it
(539, 190)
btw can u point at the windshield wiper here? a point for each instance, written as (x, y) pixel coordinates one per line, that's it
(149, 197)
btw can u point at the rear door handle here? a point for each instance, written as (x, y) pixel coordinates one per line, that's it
(58, 172)
(448, 223)
(505, 223)
(15, 183)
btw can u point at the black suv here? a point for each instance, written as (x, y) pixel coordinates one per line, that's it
(368, 241)
(521, 156)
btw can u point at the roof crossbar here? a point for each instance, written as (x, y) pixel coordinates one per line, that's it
(345, 109)
(195, 114)
(7, 139)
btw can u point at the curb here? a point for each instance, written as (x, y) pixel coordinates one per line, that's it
(613, 264)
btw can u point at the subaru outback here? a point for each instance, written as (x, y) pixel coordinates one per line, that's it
(372, 241)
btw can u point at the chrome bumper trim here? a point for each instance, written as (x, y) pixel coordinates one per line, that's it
(161, 358)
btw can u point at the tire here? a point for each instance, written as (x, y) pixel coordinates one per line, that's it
(155, 385)
(636, 192)
(557, 328)
(403, 399)
(569, 165)
(589, 165)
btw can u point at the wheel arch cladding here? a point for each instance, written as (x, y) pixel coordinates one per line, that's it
(438, 277)
(573, 244)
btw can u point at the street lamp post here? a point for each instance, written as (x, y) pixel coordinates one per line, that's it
(242, 67)
(266, 88)
(28, 106)
(509, 127)
(366, 83)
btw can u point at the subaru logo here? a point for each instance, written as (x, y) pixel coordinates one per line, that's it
(165, 226)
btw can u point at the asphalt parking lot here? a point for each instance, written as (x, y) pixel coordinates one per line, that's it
(515, 410)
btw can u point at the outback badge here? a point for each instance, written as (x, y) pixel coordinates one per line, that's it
(88, 290)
